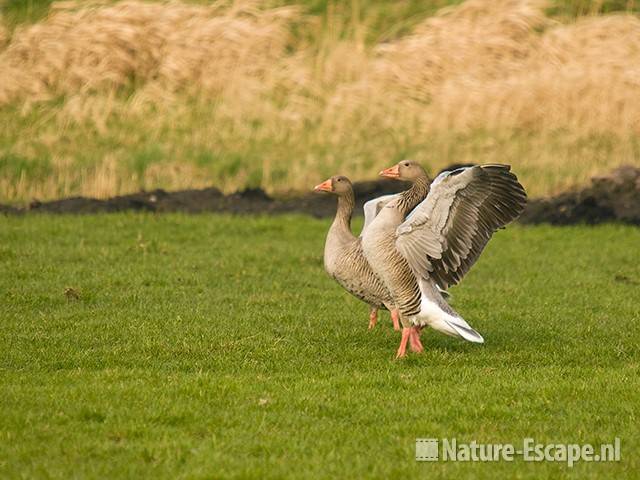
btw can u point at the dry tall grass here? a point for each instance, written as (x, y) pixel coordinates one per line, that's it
(228, 84)
(81, 49)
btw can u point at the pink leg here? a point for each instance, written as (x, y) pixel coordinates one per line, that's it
(414, 339)
(402, 349)
(373, 318)
(395, 317)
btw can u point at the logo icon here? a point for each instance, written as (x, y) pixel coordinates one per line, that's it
(426, 449)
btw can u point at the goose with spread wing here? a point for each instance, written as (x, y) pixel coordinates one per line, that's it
(343, 258)
(414, 245)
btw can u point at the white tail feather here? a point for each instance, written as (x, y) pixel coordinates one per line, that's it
(464, 329)
(431, 314)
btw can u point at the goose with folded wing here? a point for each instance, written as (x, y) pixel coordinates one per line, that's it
(431, 234)
(343, 258)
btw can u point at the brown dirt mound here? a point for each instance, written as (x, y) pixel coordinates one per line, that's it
(611, 198)
(249, 201)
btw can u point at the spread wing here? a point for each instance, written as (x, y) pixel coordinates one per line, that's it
(373, 207)
(445, 234)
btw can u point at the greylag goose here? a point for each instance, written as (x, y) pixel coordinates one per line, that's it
(440, 239)
(343, 259)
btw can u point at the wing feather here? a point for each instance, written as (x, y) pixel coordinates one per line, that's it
(445, 234)
(373, 207)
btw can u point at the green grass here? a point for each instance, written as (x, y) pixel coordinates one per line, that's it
(216, 347)
(16, 12)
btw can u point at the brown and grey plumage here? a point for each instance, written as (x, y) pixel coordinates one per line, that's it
(439, 240)
(343, 258)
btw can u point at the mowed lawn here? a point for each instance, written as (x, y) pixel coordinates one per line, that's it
(216, 347)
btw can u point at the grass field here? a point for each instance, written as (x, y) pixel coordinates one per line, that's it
(211, 346)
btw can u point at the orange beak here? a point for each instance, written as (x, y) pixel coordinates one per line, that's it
(391, 172)
(324, 186)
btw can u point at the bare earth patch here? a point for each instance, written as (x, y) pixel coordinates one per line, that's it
(610, 198)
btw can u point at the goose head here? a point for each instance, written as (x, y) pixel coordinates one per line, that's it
(407, 170)
(337, 185)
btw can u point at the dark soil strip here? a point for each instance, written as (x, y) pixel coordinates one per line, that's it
(612, 198)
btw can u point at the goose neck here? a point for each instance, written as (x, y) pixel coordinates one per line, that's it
(415, 194)
(346, 205)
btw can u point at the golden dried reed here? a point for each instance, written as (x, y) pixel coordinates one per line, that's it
(81, 48)
(486, 65)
